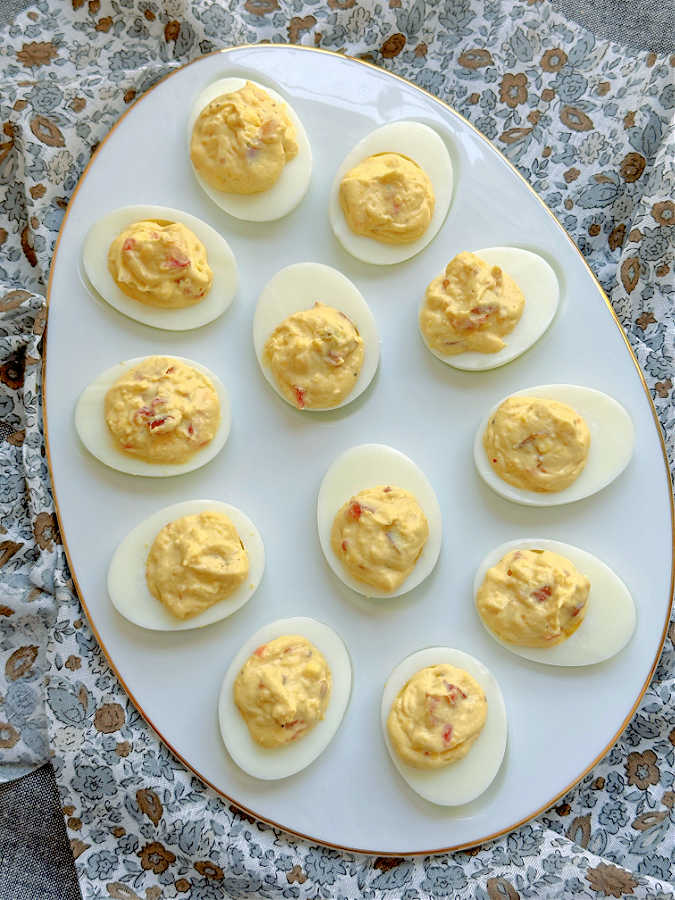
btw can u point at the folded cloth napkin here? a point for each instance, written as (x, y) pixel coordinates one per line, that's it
(587, 123)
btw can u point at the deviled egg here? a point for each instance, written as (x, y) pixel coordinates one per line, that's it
(133, 418)
(249, 150)
(170, 270)
(315, 337)
(379, 521)
(573, 587)
(566, 444)
(399, 207)
(322, 662)
(481, 314)
(473, 709)
(207, 566)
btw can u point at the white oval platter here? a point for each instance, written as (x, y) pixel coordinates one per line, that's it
(560, 721)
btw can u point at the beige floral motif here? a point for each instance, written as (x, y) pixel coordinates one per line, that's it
(209, 870)
(298, 25)
(109, 718)
(261, 7)
(611, 880)
(385, 863)
(575, 119)
(513, 135)
(47, 131)
(579, 830)
(94, 7)
(630, 272)
(664, 212)
(104, 24)
(27, 246)
(393, 45)
(598, 783)
(11, 374)
(632, 166)
(499, 888)
(341, 4)
(74, 823)
(563, 809)
(123, 748)
(150, 804)
(649, 820)
(6, 611)
(45, 529)
(7, 550)
(475, 58)
(645, 319)
(641, 769)
(182, 885)
(78, 847)
(553, 60)
(155, 857)
(3, 236)
(118, 832)
(617, 236)
(38, 53)
(662, 270)
(629, 119)
(21, 662)
(603, 88)
(513, 89)
(421, 49)
(77, 104)
(663, 388)
(9, 736)
(120, 891)
(296, 874)
(171, 32)
(668, 799)
(73, 663)
(547, 95)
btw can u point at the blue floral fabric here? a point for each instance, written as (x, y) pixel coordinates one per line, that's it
(590, 126)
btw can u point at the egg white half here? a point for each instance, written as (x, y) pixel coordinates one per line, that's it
(294, 180)
(297, 288)
(539, 284)
(272, 763)
(425, 147)
(612, 441)
(94, 433)
(128, 588)
(220, 259)
(366, 466)
(610, 617)
(462, 781)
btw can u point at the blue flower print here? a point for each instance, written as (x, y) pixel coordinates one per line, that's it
(656, 866)
(20, 701)
(45, 96)
(443, 881)
(613, 815)
(101, 864)
(94, 782)
(323, 866)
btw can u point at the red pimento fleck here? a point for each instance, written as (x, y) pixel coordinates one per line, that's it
(170, 370)
(344, 546)
(260, 650)
(542, 594)
(191, 429)
(454, 692)
(509, 572)
(129, 244)
(157, 422)
(577, 609)
(387, 489)
(355, 510)
(447, 734)
(299, 397)
(494, 459)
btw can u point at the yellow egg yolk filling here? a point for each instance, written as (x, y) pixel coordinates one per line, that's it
(283, 690)
(436, 717)
(194, 562)
(534, 598)
(315, 356)
(387, 197)
(470, 307)
(379, 534)
(241, 141)
(160, 264)
(537, 444)
(162, 411)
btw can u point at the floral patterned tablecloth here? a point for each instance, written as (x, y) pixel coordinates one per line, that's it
(589, 124)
